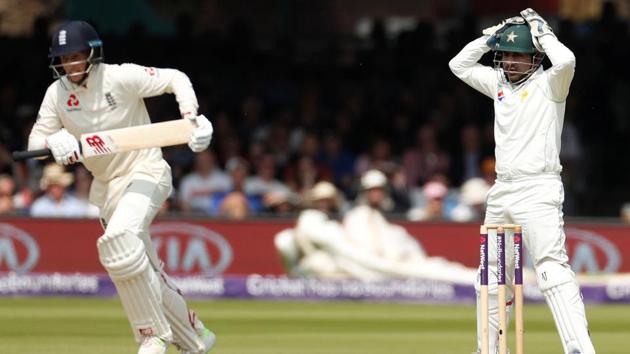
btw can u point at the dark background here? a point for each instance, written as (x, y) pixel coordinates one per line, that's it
(366, 71)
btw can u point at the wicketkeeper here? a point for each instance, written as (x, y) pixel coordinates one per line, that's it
(529, 105)
(130, 187)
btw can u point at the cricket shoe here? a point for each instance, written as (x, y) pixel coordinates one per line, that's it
(153, 345)
(208, 338)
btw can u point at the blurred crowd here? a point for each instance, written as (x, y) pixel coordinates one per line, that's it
(290, 112)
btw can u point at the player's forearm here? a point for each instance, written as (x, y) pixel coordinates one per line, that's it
(36, 141)
(468, 57)
(466, 67)
(560, 56)
(182, 88)
(40, 131)
(561, 73)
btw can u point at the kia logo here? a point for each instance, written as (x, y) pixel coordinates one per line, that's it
(584, 248)
(18, 251)
(188, 248)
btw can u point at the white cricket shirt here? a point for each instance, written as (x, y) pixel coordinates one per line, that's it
(112, 97)
(528, 117)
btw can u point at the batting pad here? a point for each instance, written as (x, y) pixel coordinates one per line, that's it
(568, 312)
(183, 322)
(123, 256)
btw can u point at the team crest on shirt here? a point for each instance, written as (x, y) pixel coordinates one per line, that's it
(73, 104)
(500, 95)
(524, 95)
(111, 102)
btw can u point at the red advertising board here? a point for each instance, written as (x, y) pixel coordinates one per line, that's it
(190, 246)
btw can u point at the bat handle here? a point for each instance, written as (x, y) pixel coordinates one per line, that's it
(27, 154)
(193, 121)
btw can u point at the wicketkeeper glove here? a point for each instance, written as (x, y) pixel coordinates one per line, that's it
(495, 31)
(538, 27)
(201, 135)
(64, 147)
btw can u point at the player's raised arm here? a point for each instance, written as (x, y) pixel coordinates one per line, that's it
(466, 67)
(562, 58)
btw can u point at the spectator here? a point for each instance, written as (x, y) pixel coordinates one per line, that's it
(426, 158)
(301, 175)
(23, 198)
(625, 213)
(338, 160)
(373, 192)
(57, 202)
(5, 159)
(264, 180)
(236, 204)
(435, 193)
(466, 163)
(325, 198)
(379, 157)
(488, 170)
(198, 187)
(7, 189)
(472, 204)
(400, 191)
(82, 182)
(280, 203)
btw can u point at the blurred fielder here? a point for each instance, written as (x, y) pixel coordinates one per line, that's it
(130, 187)
(529, 105)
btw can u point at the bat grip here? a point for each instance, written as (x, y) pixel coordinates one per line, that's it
(193, 121)
(27, 154)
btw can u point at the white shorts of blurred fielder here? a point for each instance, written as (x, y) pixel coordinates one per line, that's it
(535, 203)
(153, 304)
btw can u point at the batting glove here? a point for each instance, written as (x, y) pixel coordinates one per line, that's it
(201, 135)
(64, 147)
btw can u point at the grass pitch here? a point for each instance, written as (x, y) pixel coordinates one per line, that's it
(98, 326)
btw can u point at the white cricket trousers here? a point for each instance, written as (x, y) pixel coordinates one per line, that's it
(535, 203)
(130, 203)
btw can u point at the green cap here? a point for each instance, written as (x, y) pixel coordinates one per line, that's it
(516, 38)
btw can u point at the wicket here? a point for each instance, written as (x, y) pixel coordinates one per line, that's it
(501, 299)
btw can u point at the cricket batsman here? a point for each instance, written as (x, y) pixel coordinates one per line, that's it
(529, 105)
(130, 187)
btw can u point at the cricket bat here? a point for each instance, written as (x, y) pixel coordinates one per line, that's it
(107, 142)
